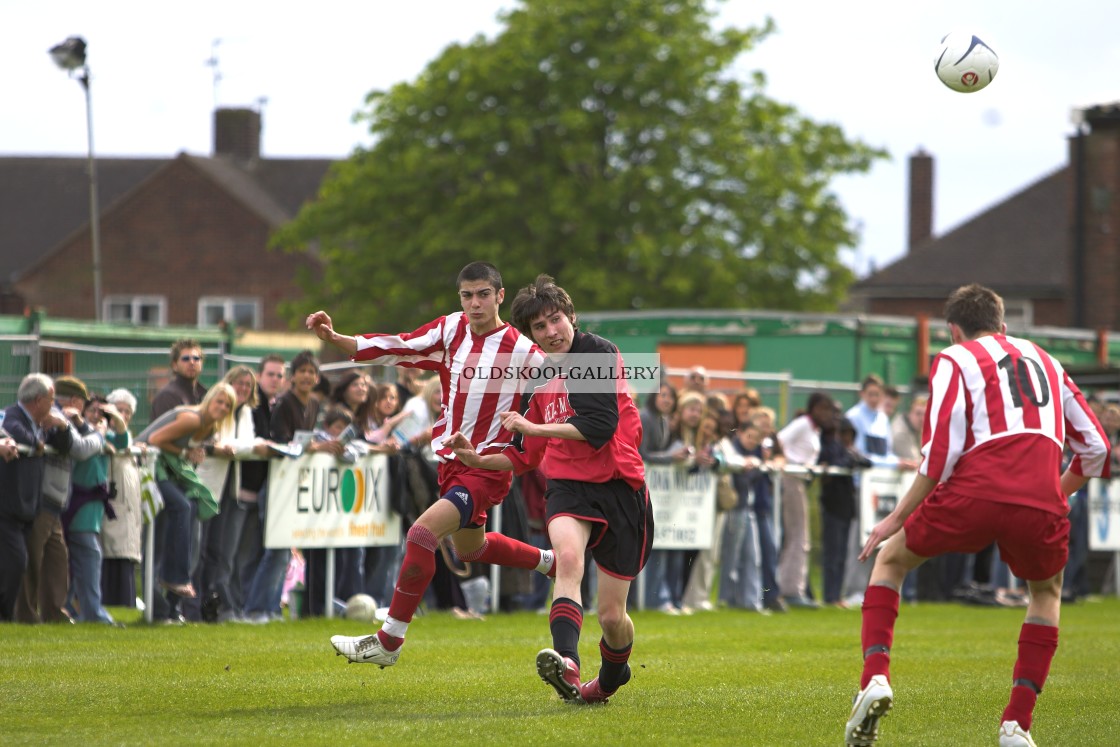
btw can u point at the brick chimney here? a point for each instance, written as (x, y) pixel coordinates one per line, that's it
(921, 199)
(237, 134)
(1095, 197)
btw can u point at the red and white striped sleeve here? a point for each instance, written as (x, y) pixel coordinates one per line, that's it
(1084, 434)
(946, 428)
(422, 348)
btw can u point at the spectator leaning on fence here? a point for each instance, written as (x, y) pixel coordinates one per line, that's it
(740, 579)
(874, 440)
(838, 505)
(906, 429)
(90, 497)
(179, 435)
(698, 591)
(762, 484)
(30, 423)
(297, 410)
(262, 570)
(120, 535)
(660, 447)
(47, 578)
(801, 443)
(236, 440)
(689, 413)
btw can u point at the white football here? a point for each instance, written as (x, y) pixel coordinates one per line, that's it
(361, 608)
(964, 62)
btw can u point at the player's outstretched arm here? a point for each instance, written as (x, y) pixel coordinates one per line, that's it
(320, 323)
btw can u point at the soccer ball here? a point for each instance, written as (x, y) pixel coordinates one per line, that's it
(964, 62)
(361, 608)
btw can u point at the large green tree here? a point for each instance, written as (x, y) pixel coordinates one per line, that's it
(608, 143)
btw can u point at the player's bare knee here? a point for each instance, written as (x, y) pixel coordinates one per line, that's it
(569, 562)
(613, 618)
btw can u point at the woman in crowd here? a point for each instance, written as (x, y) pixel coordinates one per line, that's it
(179, 434)
(352, 393)
(742, 406)
(698, 591)
(89, 503)
(121, 535)
(658, 447)
(762, 484)
(688, 415)
(231, 535)
(801, 443)
(385, 415)
(381, 563)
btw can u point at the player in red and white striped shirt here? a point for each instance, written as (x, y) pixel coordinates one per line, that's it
(454, 346)
(999, 413)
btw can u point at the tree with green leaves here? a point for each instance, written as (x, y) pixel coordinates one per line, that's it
(605, 142)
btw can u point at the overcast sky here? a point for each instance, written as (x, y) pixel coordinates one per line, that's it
(864, 64)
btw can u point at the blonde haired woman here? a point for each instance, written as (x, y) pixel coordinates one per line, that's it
(179, 435)
(235, 532)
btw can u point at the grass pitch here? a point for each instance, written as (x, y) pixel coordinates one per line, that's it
(724, 677)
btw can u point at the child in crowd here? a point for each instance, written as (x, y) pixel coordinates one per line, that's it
(740, 583)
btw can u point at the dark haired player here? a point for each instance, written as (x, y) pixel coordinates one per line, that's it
(585, 440)
(475, 337)
(1000, 409)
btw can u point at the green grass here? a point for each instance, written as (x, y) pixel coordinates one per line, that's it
(714, 678)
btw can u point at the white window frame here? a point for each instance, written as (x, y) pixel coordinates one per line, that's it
(135, 303)
(1018, 314)
(227, 303)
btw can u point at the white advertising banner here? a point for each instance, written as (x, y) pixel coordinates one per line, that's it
(317, 501)
(880, 490)
(1104, 515)
(684, 507)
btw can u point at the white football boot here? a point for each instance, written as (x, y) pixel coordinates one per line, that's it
(364, 649)
(871, 704)
(1013, 735)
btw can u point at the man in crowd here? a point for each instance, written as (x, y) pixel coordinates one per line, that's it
(184, 387)
(30, 423)
(47, 577)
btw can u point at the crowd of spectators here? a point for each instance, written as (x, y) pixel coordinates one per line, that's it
(71, 480)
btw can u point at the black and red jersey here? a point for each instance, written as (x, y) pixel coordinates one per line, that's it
(608, 420)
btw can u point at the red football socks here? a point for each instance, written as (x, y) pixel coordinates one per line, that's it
(880, 610)
(498, 549)
(417, 569)
(1037, 644)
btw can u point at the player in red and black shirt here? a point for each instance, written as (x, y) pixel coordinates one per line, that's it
(1000, 410)
(584, 434)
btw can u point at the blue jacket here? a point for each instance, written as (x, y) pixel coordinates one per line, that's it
(21, 480)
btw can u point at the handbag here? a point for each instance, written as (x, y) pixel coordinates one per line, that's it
(726, 496)
(151, 499)
(56, 482)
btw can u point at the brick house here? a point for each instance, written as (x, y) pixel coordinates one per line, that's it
(184, 241)
(1052, 250)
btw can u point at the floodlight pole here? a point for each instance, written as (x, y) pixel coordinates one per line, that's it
(70, 55)
(94, 211)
